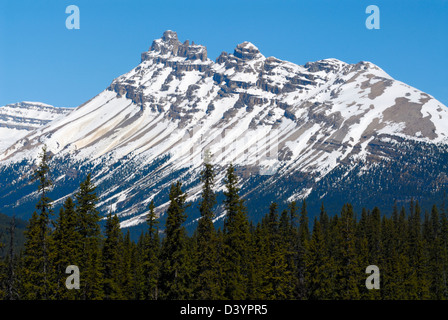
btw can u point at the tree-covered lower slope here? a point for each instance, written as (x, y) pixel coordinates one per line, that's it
(409, 169)
(283, 256)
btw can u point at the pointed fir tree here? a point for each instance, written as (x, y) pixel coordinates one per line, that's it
(401, 266)
(436, 256)
(65, 249)
(31, 271)
(175, 277)
(288, 235)
(418, 282)
(11, 280)
(91, 239)
(236, 251)
(388, 262)
(362, 249)
(348, 269)
(303, 239)
(112, 254)
(294, 248)
(318, 272)
(37, 284)
(208, 280)
(257, 286)
(138, 269)
(373, 230)
(324, 221)
(128, 287)
(278, 275)
(151, 264)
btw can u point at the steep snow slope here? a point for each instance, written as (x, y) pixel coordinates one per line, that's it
(18, 119)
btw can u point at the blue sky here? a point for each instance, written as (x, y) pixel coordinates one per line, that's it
(41, 60)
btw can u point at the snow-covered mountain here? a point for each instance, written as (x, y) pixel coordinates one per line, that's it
(326, 130)
(19, 119)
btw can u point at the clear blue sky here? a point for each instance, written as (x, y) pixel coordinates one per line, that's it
(41, 60)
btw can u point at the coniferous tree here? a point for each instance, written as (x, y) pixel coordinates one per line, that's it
(444, 250)
(151, 264)
(277, 276)
(2, 271)
(128, 261)
(220, 261)
(258, 268)
(435, 256)
(373, 229)
(389, 262)
(237, 238)
(303, 240)
(138, 268)
(90, 252)
(318, 266)
(324, 221)
(207, 277)
(401, 266)
(348, 269)
(112, 254)
(65, 249)
(333, 247)
(375, 254)
(31, 271)
(288, 235)
(294, 247)
(418, 282)
(176, 265)
(274, 271)
(37, 282)
(11, 260)
(362, 249)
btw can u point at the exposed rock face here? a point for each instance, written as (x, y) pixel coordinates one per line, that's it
(246, 51)
(169, 44)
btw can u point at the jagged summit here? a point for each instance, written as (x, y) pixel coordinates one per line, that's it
(169, 35)
(246, 51)
(169, 45)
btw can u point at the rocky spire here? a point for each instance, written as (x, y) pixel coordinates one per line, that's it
(169, 35)
(246, 51)
(170, 44)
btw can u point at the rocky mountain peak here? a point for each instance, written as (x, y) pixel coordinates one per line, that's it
(169, 44)
(246, 51)
(308, 125)
(169, 35)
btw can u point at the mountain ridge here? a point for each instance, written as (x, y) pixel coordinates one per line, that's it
(19, 119)
(275, 120)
